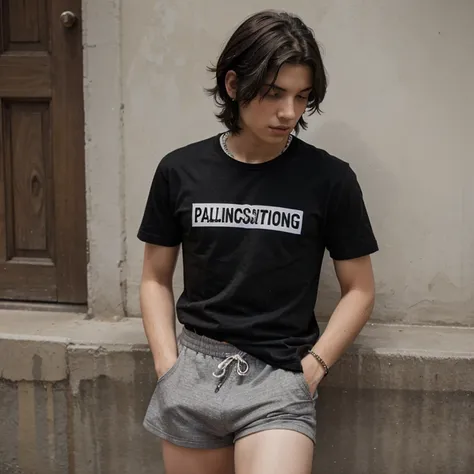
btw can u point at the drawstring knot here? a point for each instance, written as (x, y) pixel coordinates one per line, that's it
(221, 372)
(242, 366)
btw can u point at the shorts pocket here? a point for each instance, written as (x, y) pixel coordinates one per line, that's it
(305, 387)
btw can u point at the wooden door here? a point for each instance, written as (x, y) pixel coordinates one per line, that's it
(42, 176)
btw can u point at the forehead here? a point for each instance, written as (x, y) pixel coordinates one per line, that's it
(293, 77)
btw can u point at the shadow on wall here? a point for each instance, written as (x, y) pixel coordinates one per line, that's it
(380, 191)
(443, 303)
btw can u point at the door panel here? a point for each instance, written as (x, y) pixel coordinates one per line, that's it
(25, 25)
(42, 177)
(28, 189)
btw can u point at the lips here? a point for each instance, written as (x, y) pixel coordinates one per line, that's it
(283, 129)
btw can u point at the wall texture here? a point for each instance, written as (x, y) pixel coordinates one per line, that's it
(104, 158)
(73, 394)
(398, 109)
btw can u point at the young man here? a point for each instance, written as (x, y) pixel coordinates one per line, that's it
(254, 210)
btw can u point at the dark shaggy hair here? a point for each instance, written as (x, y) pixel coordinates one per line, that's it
(261, 45)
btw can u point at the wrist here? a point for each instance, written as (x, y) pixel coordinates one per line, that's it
(318, 372)
(312, 370)
(320, 361)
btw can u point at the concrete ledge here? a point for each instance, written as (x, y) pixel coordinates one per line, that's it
(32, 358)
(400, 357)
(73, 394)
(117, 363)
(47, 346)
(35, 346)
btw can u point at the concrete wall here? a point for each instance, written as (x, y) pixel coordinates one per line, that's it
(104, 158)
(99, 430)
(73, 394)
(399, 109)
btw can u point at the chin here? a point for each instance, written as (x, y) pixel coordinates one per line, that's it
(269, 137)
(278, 139)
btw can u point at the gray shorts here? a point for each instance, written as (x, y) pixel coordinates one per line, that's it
(216, 394)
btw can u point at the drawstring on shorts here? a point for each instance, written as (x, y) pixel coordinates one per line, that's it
(222, 372)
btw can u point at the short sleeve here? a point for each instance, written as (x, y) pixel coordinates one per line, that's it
(348, 231)
(159, 225)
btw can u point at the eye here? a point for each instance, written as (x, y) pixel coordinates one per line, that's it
(301, 97)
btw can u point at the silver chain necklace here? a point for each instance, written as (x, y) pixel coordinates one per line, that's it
(224, 137)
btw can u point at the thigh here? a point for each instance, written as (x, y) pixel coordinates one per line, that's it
(276, 451)
(179, 460)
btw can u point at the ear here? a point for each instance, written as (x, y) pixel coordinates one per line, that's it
(231, 84)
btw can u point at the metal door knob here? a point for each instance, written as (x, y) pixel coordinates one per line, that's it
(68, 19)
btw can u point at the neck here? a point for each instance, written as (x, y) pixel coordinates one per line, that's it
(248, 148)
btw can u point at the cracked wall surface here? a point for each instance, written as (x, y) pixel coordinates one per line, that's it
(400, 401)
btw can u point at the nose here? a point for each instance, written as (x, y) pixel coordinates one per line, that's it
(287, 110)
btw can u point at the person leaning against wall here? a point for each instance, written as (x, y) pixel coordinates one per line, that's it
(254, 209)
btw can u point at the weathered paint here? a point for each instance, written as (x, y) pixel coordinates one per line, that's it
(401, 400)
(399, 109)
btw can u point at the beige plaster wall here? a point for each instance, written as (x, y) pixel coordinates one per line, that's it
(399, 109)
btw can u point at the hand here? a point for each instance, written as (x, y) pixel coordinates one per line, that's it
(161, 367)
(313, 372)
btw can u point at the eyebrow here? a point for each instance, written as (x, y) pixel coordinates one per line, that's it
(274, 86)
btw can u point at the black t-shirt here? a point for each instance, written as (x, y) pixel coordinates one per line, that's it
(253, 238)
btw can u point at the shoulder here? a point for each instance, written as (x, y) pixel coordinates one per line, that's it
(318, 160)
(181, 156)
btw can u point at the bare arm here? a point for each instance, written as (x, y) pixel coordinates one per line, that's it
(356, 280)
(157, 304)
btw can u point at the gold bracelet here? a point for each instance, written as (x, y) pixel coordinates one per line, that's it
(321, 361)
